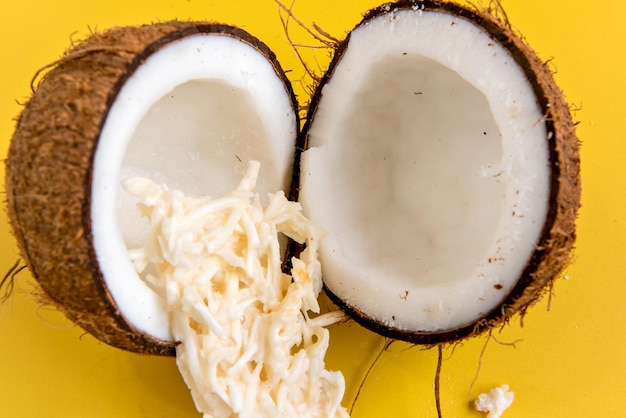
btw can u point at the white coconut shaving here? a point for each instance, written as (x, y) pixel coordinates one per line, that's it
(252, 342)
(495, 402)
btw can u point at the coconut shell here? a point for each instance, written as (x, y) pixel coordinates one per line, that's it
(49, 170)
(554, 248)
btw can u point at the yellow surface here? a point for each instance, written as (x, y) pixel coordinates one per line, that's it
(569, 362)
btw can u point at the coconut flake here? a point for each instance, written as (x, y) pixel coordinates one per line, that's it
(251, 342)
(495, 402)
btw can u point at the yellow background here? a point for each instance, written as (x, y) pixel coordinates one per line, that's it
(569, 362)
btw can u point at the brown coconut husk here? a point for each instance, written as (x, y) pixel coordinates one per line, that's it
(49, 170)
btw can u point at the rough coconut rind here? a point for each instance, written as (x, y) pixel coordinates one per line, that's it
(553, 250)
(49, 170)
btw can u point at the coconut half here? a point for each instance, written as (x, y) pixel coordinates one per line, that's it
(183, 103)
(441, 159)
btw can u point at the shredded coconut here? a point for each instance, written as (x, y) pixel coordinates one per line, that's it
(495, 402)
(252, 341)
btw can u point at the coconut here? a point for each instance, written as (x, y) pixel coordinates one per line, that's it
(442, 159)
(438, 154)
(184, 103)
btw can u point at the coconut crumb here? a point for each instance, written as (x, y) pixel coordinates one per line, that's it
(495, 402)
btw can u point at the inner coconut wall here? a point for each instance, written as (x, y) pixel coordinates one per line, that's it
(428, 168)
(191, 117)
(199, 138)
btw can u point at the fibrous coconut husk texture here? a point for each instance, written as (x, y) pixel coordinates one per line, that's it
(49, 168)
(554, 248)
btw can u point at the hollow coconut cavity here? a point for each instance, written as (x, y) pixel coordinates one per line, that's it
(442, 161)
(186, 104)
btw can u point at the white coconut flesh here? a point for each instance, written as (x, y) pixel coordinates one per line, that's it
(428, 167)
(192, 117)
